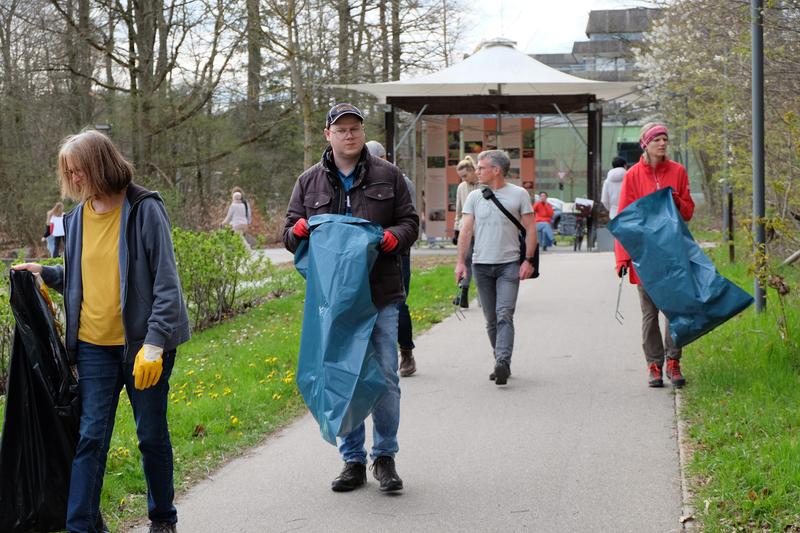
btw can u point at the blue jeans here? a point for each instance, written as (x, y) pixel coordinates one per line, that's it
(544, 232)
(386, 412)
(404, 326)
(101, 376)
(498, 286)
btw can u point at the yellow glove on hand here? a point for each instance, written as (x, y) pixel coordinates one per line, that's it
(147, 366)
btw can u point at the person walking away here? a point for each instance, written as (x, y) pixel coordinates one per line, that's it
(469, 182)
(654, 171)
(55, 224)
(543, 212)
(405, 333)
(349, 181)
(613, 185)
(125, 317)
(496, 258)
(237, 216)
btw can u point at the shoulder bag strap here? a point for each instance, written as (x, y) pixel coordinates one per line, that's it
(488, 193)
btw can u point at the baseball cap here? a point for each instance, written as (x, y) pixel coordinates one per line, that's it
(340, 110)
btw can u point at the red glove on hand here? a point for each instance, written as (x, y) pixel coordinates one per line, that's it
(389, 241)
(300, 229)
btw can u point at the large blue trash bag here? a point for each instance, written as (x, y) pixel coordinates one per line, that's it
(337, 372)
(680, 279)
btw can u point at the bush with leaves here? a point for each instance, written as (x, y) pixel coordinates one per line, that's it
(218, 274)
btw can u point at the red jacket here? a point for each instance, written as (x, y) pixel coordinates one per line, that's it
(640, 181)
(543, 211)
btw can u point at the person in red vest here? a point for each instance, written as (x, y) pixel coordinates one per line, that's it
(654, 171)
(543, 212)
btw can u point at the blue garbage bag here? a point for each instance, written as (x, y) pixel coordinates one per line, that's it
(680, 279)
(337, 372)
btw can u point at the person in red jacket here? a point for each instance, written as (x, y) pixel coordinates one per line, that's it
(654, 171)
(544, 218)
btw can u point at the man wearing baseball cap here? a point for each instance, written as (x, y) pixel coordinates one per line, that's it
(349, 181)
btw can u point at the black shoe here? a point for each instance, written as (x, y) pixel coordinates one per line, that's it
(501, 373)
(383, 470)
(492, 376)
(162, 527)
(353, 476)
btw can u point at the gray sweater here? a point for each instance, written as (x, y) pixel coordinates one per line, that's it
(153, 309)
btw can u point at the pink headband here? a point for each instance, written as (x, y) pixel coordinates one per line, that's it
(651, 134)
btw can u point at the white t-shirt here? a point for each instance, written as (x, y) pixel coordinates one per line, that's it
(496, 237)
(58, 226)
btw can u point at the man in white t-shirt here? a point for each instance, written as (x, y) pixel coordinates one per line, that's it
(496, 263)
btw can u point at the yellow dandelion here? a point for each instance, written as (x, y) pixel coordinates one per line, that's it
(227, 391)
(276, 396)
(234, 420)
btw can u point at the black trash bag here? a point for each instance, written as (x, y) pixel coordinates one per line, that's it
(42, 418)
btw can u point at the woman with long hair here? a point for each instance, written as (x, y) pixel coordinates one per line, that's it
(125, 316)
(654, 171)
(55, 227)
(469, 182)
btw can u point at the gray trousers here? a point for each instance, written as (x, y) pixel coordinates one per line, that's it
(498, 286)
(654, 349)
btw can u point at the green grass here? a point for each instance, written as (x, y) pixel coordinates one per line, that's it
(743, 408)
(233, 385)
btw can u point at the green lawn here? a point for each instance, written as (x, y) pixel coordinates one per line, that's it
(743, 408)
(232, 386)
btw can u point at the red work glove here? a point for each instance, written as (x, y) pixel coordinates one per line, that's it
(622, 268)
(300, 229)
(389, 241)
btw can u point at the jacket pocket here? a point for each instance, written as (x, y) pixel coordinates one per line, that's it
(380, 203)
(317, 202)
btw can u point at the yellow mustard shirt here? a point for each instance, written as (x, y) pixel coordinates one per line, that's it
(101, 311)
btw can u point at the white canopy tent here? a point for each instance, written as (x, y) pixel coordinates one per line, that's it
(496, 69)
(499, 79)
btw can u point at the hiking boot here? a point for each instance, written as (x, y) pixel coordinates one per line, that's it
(407, 363)
(464, 302)
(162, 527)
(493, 376)
(383, 470)
(674, 373)
(353, 476)
(501, 373)
(654, 379)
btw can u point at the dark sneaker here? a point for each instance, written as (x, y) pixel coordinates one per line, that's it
(353, 476)
(383, 470)
(162, 527)
(407, 363)
(501, 373)
(654, 379)
(493, 376)
(674, 373)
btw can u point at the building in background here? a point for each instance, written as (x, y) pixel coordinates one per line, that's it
(607, 55)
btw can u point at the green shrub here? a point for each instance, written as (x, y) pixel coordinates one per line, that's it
(220, 276)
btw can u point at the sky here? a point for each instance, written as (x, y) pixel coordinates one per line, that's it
(538, 26)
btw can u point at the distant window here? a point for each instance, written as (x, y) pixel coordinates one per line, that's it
(606, 64)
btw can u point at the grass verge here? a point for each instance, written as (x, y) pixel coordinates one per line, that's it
(232, 386)
(742, 408)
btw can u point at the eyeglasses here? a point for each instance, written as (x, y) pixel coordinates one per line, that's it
(345, 133)
(73, 172)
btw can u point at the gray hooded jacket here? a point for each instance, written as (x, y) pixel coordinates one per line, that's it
(153, 309)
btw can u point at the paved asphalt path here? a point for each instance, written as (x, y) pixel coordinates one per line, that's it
(575, 442)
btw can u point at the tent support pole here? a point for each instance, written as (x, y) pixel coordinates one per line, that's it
(577, 133)
(409, 129)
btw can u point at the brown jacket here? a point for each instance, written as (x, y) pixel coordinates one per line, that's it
(379, 194)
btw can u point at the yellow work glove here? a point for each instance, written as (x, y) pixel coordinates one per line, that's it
(147, 366)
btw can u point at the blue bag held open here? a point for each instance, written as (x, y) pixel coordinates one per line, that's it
(680, 279)
(337, 372)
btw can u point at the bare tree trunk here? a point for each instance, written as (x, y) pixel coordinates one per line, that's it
(384, 41)
(343, 8)
(254, 60)
(300, 86)
(396, 39)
